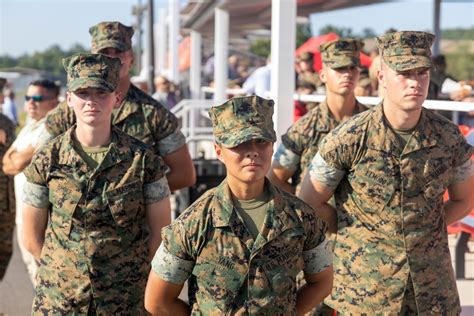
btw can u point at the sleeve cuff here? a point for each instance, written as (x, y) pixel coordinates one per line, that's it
(156, 191)
(171, 268)
(286, 158)
(464, 171)
(171, 143)
(35, 195)
(322, 172)
(319, 258)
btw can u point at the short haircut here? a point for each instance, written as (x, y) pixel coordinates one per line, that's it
(49, 85)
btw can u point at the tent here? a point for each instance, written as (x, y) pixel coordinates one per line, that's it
(312, 46)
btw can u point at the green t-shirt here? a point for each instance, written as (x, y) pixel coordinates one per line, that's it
(93, 156)
(253, 212)
(403, 136)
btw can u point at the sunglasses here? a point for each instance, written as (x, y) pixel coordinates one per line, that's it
(37, 98)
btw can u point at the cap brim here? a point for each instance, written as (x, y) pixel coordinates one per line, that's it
(110, 44)
(234, 139)
(404, 63)
(84, 83)
(344, 61)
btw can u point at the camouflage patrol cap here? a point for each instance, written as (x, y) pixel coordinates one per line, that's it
(241, 119)
(3, 81)
(92, 71)
(111, 34)
(406, 50)
(305, 56)
(341, 53)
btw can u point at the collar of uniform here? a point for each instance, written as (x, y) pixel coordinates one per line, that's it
(423, 136)
(127, 106)
(326, 121)
(279, 217)
(117, 151)
(382, 138)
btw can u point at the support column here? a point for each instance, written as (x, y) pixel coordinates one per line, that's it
(436, 26)
(221, 52)
(195, 70)
(173, 40)
(283, 63)
(161, 40)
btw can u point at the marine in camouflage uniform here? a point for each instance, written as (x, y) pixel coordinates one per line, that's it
(7, 195)
(94, 260)
(236, 273)
(301, 142)
(138, 115)
(307, 73)
(391, 255)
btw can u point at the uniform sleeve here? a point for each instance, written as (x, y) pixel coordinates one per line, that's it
(296, 138)
(337, 150)
(322, 172)
(156, 186)
(462, 151)
(173, 261)
(162, 122)
(286, 158)
(59, 120)
(464, 171)
(35, 190)
(171, 143)
(316, 251)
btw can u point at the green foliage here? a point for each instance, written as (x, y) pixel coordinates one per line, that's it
(261, 47)
(341, 31)
(303, 33)
(460, 64)
(458, 34)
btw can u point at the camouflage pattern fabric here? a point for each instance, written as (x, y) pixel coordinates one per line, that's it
(304, 136)
(241, 119)
(92, 71)
(406, 50)
(7, 199)
(310, 77)
(393, 198)
(111, 35)
(234, 273)
(139, 115)
(94, 254)
(341, 53)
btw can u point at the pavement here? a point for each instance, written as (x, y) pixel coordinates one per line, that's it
(16, 290)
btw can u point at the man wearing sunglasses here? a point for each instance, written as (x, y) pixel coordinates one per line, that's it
(41, 97)
(138, 114)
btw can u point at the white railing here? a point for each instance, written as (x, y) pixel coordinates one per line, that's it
(196, 125)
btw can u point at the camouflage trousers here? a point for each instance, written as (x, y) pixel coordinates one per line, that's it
(7, 224)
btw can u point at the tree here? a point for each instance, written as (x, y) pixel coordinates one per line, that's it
(261, 47)
(303, 33)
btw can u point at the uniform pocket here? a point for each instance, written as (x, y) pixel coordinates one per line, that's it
(125, 202)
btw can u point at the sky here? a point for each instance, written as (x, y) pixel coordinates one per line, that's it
(27, 26)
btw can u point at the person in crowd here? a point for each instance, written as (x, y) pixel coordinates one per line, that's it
(300, 143)
(244, 241)
(163, 93)
(9, 106)
(41, 97)
(96, 201)
(306, 71)
(364, 86)
(258, 83)
(7, 194)
(300, 107)
(137, 114)
(388, 169)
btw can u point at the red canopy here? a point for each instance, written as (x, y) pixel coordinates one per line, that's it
(312, 46)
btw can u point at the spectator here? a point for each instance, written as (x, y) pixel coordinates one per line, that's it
(300, 107)
(165, 93)
(9, 106)
(41, 97)
(258, 82)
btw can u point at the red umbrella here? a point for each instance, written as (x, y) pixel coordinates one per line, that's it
(312, 46)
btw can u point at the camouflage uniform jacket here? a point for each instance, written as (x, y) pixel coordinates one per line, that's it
(304, 136)
(396, 227)
(7, 198)
(236, 274)
(139, 115)
(94, 254)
